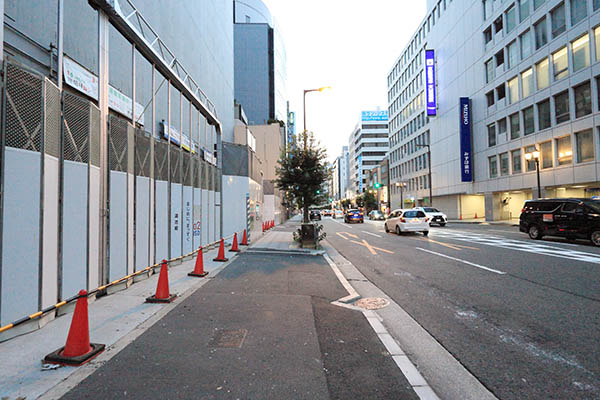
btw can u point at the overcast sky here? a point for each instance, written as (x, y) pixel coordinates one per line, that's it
(349, 45)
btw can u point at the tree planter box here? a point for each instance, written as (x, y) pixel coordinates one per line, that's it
(308, 239)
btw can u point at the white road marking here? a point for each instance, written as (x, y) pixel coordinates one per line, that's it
(372, 234)
(342, 223)
(463, 261)
(520, 245)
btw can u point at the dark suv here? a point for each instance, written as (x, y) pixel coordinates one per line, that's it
(569, 218)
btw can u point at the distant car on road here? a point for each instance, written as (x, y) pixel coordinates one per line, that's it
(326, 212)
(435, 216)
(338, 214)
(401, 221)
(315, 215)
(572, 218)
(376, 215)
(354, 216)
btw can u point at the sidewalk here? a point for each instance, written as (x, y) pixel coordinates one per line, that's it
(261, 326)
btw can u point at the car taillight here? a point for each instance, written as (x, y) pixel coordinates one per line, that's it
(402, 220)
(522, 209)
(426, 219)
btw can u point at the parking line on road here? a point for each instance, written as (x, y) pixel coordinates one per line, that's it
(463, 261)
(372, 234)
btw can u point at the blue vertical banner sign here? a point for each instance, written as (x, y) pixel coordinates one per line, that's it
(360, 179)
(430, 82)
(466, 161)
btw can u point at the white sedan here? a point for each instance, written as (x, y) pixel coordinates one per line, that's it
(401, 221)
(435, 216)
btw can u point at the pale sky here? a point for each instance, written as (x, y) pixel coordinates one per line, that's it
(349, 45)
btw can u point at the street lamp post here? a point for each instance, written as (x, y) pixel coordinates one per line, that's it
(535, 155)
(401, 185)
(429, 165)
(304, 107)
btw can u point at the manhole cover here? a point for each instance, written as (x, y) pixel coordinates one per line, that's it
(229, 338)
(372, 303)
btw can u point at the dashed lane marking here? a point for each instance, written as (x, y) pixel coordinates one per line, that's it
(372, 234)
(519, 245)
(463, 261)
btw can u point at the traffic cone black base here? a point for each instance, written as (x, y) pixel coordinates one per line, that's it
(56, 358)
(198, 275)
(153, 299)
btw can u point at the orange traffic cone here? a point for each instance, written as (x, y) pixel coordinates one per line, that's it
(221, 255)
(475, 215)
(234, 246)
(263, 226)
(199, 268)
(78, 350)
(162, 288)
(244, 239)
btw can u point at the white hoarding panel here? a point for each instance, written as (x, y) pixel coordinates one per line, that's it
(118, 225)
(142, 222)
(175, 219)
(186, 220)
(50, 244)
(162, 220)
(94, 228)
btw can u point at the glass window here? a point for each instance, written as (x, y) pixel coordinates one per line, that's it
(528, 122)
(537, 3)
(504, 164)
(558, 20)
(515, 126)
(583, 99)
(578, 11)
(527, 82)
(546, 153)
(563, 148)
(585, 146)
(511, 19)
(502, 126)
(597, 36)
(523, 10)
(493, 162)
(530, 163)
(490, 71)
(544, 114)
(596, 4)
(491, 135)
(513, 53)
(516, 161)
(560, 64)
(513, 90)
(581, 52)
(487, 35)
(561, 107)
(541, 37)
(490, 98)
(542, 74)
(525, 44)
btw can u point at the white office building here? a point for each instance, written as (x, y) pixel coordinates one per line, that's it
(528, 73)
(367, 146)
(340, 174)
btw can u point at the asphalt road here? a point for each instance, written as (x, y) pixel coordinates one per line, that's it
(523, 316)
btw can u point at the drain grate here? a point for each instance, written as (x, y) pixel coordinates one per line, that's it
(228, 338)
(372, 303)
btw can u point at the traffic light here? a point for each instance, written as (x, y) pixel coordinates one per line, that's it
(318, 191)
(377, 185)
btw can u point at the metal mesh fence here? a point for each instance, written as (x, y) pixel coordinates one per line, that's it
(187, 169)
(117, 144)
(160, 160)
(23, 109)
(52, 116)
(196, 164)
(175, 164)
(76, 119)
(142, 153)
(94, 135)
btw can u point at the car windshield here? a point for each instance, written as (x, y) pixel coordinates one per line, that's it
(376, 212)
(430, 209)
(594, 204)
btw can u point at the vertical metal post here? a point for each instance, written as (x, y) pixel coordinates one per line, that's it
(537, 168)
(133, 120)
(181, 156)
(103, 30)
(2, 31)
(430, 183)
(59, 47)
(152, 210)
(168, 127)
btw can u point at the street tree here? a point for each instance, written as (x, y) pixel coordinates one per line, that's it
(302, 172)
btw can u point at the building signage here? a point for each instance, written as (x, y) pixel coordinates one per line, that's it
(80, 78)
(209, 157)
(374, 115)
(172, 134)
(360, 174)
(430, 81)
(466, 160)
(121, 103)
